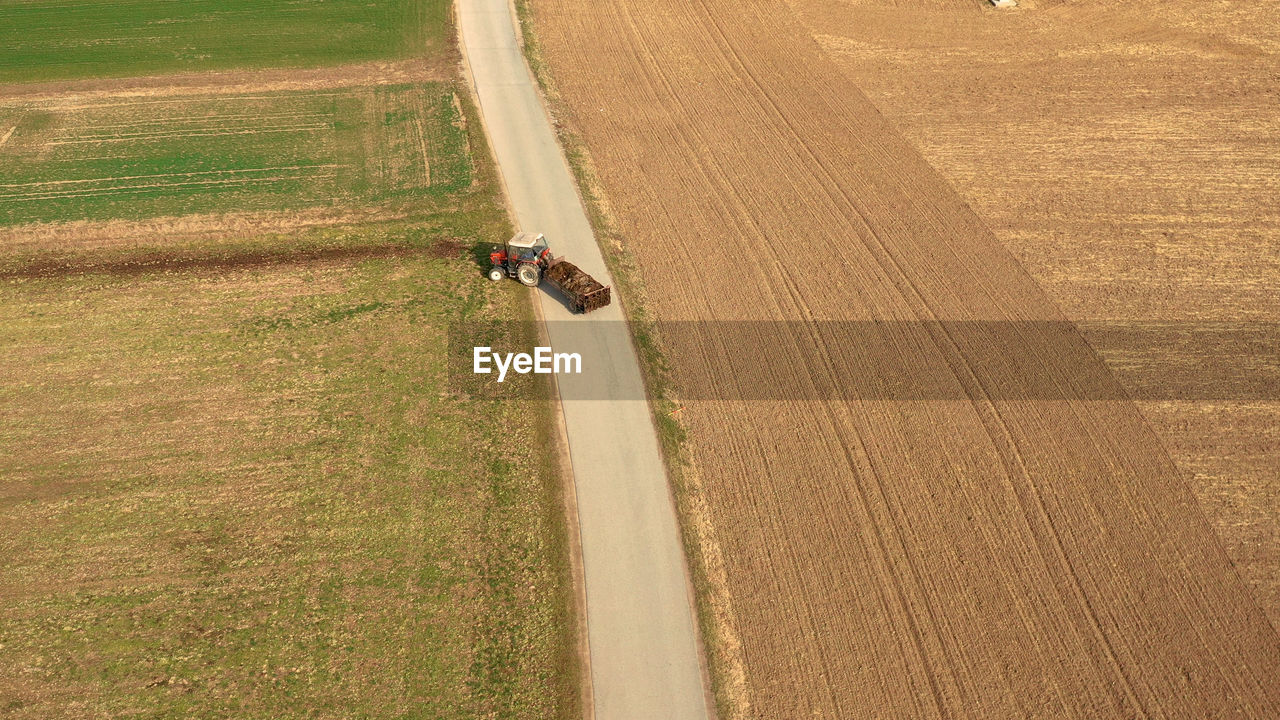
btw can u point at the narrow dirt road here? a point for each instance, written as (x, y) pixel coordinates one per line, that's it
(643, 642)
(996, 556)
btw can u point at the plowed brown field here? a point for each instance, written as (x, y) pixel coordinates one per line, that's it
(982, 558)
(1126, 154)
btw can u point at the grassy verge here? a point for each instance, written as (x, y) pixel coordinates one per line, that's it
(560, 681)
(663, 400)
(67, 39)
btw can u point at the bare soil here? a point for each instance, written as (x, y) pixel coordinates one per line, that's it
(982, 558)
(1126, 154)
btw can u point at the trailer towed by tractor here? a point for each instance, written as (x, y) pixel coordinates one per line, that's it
(528, 258)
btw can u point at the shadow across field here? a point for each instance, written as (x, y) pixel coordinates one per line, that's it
(1032, 361)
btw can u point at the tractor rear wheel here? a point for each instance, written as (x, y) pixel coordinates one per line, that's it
(529, 274)
(496, 273)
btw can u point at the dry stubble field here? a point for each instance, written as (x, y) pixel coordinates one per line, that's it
(1126, 154)
(991, 557)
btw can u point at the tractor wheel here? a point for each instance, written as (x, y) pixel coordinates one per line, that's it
(529, 274)
(496, 273)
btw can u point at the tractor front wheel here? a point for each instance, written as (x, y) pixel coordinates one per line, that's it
(529, 274)
(496, 273)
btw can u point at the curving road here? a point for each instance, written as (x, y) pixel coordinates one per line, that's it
(641, 632)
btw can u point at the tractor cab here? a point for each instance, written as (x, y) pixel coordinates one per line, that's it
(526, 247)
(524, 257)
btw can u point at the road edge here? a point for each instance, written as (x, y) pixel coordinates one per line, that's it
(584, 706)
(723, 668)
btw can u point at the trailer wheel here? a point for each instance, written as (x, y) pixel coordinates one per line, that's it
(496, 273)
(529, 274)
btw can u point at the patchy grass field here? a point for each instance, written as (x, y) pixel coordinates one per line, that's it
(245, 489)
(65, 39)
(141, 157)
(234, 479)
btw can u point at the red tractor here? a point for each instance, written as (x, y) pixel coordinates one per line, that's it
(528, 258)
(524, 258)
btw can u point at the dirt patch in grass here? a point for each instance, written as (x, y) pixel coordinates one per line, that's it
(448, 248)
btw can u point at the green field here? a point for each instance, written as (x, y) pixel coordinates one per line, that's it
(248, 490)
(235, 480)
(142, 157)
(65, 39)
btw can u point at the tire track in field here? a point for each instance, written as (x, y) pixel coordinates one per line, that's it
(987, 558)
(1152, 211)
(744, 224)
(132, 189)
(197, 134)
(1011, 456)
(116, 178)
(989, 412)
(918, 636)
(798, 303)
(790, 285)
(906, 592)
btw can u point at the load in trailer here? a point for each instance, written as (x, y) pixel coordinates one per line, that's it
(528, 258)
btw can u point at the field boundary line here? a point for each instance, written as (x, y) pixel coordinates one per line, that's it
(159, 175)
(221, 82)
(724, 680)
(126, 189)
(101, 141)
(104, 233)
(207, 118)
(563, 458)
